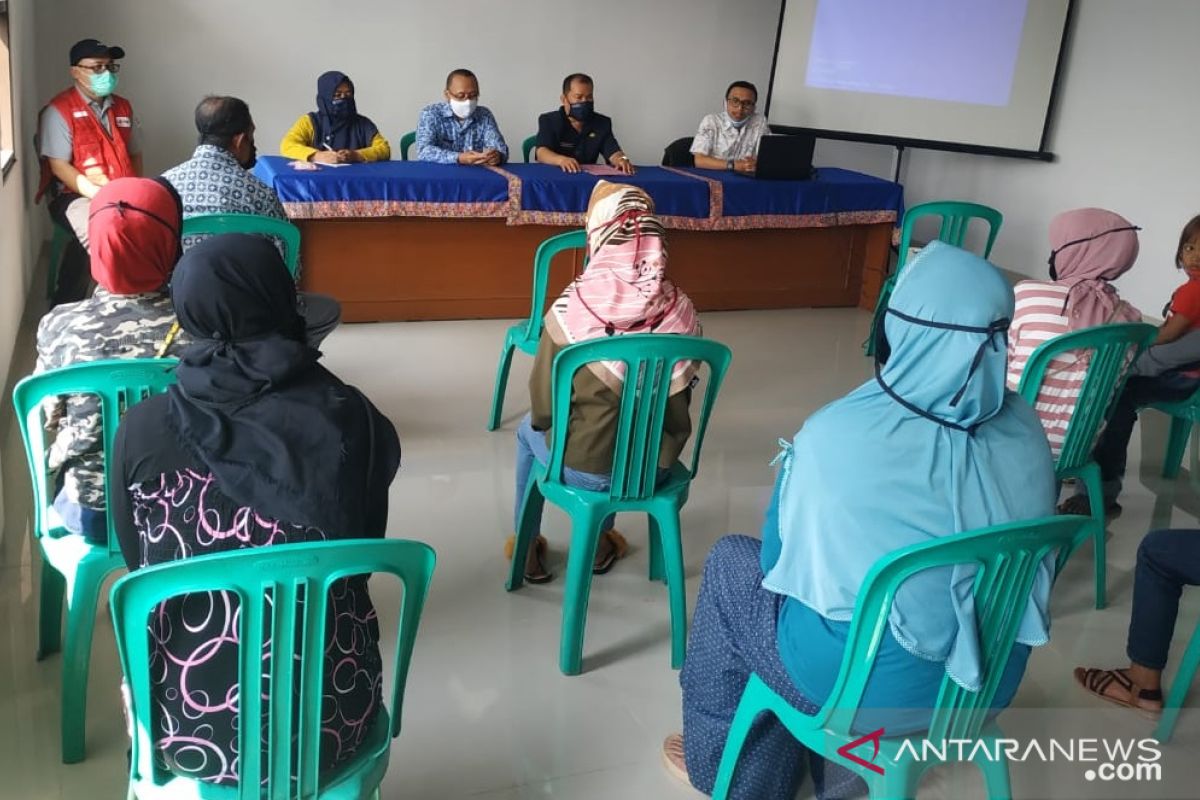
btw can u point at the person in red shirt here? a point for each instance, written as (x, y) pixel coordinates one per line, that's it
(87, 137)
(1149, 382)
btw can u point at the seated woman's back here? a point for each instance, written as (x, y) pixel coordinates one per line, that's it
(623, 291)
(932, 446)
(1091, 247)
(255, 446)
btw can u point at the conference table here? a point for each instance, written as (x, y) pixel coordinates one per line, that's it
(403, 240)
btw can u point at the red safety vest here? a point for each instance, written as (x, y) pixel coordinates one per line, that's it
(94, 151)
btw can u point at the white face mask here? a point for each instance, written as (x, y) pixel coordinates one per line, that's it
(463, 108)
(737, 123)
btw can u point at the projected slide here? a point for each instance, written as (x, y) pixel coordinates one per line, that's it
(959, 51)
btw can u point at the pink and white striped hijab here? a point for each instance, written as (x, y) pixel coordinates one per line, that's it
(624, 289)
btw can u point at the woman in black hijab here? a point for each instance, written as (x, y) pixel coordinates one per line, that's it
(335, 133)
(256, 445)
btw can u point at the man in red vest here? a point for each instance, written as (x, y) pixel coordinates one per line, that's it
(87, 136)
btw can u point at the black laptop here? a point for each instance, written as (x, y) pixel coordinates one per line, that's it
(786, 157)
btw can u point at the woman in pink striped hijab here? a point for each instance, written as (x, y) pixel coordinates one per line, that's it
(1090, 248)
(624, 291)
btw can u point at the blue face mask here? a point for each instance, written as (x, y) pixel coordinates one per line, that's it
(339, 107)
(737, 123)
(582, 111)
(104, 84)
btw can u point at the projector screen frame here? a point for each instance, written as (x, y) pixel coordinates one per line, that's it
(902, 142)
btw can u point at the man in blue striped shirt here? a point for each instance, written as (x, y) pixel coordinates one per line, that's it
(459, 130)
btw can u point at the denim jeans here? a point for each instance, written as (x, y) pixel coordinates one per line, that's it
(1112, 447)
(531, 444)
(1167, 561)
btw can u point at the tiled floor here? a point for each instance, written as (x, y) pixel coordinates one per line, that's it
(487, 713)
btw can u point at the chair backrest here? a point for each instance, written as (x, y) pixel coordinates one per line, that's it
(547, 250)
(679, 153)
(117, 383)
(1006, 558)
(1112, 349)
(956, 218)
(649, 361)
(281, 229)
(295, 579)
(527, 147)
(407, 141)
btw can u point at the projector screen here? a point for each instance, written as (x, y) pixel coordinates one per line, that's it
(974, 75)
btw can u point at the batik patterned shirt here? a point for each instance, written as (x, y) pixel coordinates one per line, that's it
(102, 326)
(718, 138)
(213, 182)
(441, 136)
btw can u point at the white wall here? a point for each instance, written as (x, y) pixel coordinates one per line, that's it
(659, 66)
(17, 242)
(1126, 137)
(1124, 129)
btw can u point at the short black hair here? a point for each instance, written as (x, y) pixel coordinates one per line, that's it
(1190, 231)
(219, 119)
(577, 76)
(464, 73)
(747, 85)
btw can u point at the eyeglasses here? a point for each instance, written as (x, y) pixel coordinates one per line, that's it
(465, 95)
(747, 105)
(96, 69)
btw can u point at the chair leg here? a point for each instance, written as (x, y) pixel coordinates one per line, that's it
(1177, 442)
(739, 729)
(531, 512)
(900, 783)
(671, 546)
(58, 242)
(50, 611)
(1090, 475)
(501, 385)
(996, 779)
(657, 572)
(77, 652)
(1180, 685)
(585, 535)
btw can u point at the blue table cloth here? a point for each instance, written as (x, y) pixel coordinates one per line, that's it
(528, 194)
(386, 189)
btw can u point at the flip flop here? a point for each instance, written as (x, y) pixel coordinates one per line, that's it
(617, 549)
(1096, 682)
(540, 546)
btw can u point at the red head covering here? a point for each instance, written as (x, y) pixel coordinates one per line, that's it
(133, 235)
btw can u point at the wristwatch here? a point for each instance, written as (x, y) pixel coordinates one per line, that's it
(729, 165)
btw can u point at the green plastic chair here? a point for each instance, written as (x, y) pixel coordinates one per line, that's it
(649, 359)
(1007, 557)
(1114, 348)
(525, 335)
(70, 565)
(1183, 415)
(407, 141)
(281, 229)
(298, 578)
(1179, 689)
(527, 147)
(956, 218)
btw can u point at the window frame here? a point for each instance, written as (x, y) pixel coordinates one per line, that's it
(8, 121)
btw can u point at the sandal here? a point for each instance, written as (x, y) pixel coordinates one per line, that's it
(673, 758)
(1079, 505)
(540, 546)
(1096, 682)
(617, 548)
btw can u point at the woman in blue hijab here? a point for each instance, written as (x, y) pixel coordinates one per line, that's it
(932, 445)
(335, 133)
